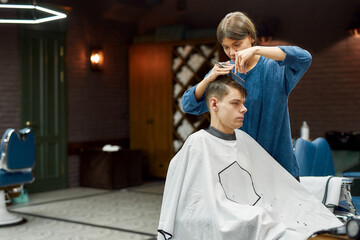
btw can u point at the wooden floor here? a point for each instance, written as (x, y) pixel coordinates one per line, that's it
(328, 237)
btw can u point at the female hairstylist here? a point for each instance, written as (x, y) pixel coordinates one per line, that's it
(270, 73)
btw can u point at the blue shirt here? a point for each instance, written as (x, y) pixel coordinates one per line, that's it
(267, 120)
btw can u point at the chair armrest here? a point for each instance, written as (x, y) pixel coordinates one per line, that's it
(351, 174)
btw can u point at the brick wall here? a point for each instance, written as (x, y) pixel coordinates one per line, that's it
(9, 78)
(328, 96)
(97, 101)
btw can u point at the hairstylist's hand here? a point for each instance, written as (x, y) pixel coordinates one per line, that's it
(242, 58)
(217, 71)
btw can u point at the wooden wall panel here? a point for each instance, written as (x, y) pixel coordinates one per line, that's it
(150, 105)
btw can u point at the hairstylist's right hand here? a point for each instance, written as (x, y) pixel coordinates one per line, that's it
(242, 59)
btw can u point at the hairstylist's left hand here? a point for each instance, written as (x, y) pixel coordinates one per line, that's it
(242, 59)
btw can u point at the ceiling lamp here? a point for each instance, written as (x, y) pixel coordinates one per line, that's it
(56, 15)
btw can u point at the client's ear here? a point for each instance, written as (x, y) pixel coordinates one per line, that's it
(213, 104)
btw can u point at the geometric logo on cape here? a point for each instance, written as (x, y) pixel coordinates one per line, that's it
(238, 185)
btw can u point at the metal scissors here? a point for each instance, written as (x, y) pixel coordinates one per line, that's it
(222, 65)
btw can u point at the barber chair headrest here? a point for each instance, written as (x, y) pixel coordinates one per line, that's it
(17, 149)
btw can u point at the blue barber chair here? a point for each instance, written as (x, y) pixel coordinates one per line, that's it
(315, 159)
(16, 162)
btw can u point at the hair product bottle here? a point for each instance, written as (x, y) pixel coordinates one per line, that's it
(305, 131)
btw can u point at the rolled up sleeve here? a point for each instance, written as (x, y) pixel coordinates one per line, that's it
(191, 105)
(297, 61)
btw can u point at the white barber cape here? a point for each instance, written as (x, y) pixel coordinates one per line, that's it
(220, 189)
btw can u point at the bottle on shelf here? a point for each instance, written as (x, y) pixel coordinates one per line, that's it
(305, 131)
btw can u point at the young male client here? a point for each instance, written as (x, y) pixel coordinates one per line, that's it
(223, 185)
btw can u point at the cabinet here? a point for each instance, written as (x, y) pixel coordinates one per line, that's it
(159, 74)
(110, 170)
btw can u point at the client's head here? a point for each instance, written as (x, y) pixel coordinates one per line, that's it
(225, 100)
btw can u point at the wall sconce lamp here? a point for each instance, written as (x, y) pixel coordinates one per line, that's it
(96, 59)
(354, 26)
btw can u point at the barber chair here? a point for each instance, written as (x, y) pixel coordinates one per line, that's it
(16, 162)
(315, 159)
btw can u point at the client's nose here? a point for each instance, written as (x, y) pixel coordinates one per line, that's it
(243, 109)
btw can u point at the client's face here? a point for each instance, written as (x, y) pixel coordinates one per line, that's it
(231, 110)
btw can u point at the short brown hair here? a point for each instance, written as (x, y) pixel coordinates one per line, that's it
(220, 88)
(236, 26)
